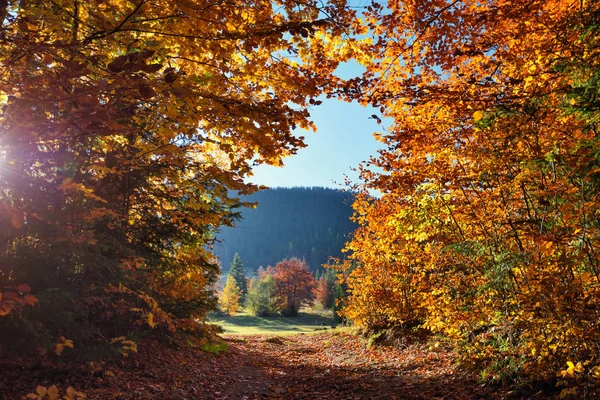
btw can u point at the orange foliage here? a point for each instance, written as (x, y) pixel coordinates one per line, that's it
(294, 285)
(487, 229)
(324, 292)
(127, 131)
(13, 298)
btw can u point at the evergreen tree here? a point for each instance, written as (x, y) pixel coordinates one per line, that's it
(236, 270)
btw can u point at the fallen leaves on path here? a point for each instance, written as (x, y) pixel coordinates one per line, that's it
(328, 365)
(339, 366)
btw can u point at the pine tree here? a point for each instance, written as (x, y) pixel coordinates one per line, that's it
(230, 298)
(236, 270)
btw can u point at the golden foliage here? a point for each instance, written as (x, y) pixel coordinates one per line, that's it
(230, 298)
(487, 229)
(129, 128)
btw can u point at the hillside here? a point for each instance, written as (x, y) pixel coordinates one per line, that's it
(310, 223)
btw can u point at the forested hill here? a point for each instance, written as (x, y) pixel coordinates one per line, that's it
(310, 223)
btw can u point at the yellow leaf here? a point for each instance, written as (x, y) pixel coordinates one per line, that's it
(53, 392)
(151, 320)
(59, 349)
(477, 115)
(41, 391)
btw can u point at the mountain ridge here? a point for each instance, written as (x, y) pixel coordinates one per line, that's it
(305, 222)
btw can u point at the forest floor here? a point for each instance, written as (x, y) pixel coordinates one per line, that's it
(329, 364)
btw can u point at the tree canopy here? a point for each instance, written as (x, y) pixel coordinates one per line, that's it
(487, 229)
(127, 128)
(230, 298)
(294, 286)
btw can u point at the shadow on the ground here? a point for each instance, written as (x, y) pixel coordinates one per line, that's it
(302, 322)
(299, 372)
(316, 367)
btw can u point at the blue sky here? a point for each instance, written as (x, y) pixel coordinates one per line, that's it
(344, 138)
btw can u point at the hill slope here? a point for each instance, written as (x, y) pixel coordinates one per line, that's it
(309, 223)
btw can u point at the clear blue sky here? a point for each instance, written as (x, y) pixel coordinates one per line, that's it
(344, 138)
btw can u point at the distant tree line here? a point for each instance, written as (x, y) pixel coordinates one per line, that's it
(283, 289)
(308, 223)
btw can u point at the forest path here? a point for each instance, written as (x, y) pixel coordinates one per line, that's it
(333, 365)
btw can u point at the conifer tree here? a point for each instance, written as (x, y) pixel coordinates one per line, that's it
(236, 270)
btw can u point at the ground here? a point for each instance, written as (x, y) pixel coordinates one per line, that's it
(337, 365)
(325, 364)
(306, 321)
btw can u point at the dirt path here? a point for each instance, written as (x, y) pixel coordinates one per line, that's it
(338, 366)
(328, 365)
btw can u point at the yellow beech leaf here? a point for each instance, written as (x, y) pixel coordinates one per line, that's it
(151, 320)
(53, 392)
(477, 115)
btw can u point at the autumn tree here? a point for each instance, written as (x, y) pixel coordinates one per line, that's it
(294, 285)
(261, 300)
(489, 181)
(236, 270)
(324, 288)
(230, 297)
(127, 129)
(384, 284)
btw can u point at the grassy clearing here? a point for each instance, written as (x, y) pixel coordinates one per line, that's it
(245, 324)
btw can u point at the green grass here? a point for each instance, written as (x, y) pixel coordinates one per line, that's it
(245, 324)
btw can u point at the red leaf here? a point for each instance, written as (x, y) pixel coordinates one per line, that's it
(25, 288)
